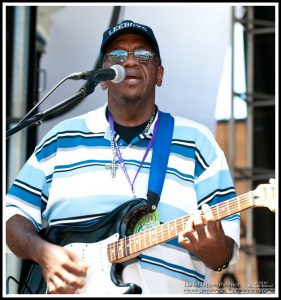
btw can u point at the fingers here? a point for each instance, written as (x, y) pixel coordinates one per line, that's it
(71, 280)
(65, 283)
(183, 240)
(76, 265)
(51, 287)
(58, 286)
(207, 212)
(64, 272)
(204, 237)
(194, 229)
(200, 226)
(214, 226)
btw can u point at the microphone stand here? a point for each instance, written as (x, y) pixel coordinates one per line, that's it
(38, 118)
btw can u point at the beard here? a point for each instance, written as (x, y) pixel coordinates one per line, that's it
(132, 100)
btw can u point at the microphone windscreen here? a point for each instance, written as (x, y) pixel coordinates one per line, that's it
(120, 73)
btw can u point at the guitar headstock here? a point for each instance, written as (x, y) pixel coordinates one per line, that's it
(265, 195)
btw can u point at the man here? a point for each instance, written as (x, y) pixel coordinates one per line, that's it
(86, 167)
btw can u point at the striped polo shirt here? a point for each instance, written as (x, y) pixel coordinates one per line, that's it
(67, 181)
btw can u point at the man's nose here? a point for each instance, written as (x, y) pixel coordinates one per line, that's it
(131, 60)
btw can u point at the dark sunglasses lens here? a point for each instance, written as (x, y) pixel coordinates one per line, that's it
(118, 56)
(143, 55)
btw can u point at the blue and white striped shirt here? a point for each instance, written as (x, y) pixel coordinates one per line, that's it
(65, 181)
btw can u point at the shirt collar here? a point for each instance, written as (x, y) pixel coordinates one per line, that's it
(97, 123)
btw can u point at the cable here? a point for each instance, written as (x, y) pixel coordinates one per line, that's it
(16, 281)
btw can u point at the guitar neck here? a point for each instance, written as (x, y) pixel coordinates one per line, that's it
(127, 247)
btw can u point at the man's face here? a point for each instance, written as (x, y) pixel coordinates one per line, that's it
(141, 77)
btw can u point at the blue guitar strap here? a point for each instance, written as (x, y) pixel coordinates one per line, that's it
(160, 157)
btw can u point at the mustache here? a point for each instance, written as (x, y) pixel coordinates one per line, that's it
(132, 72)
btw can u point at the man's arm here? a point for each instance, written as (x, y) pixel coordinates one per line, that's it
(63, 271)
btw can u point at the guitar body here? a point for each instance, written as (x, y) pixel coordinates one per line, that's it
(90, 244)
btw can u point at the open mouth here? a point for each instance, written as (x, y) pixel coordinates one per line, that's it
(132, 79)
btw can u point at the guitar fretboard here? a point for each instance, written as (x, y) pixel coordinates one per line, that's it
(133, 244)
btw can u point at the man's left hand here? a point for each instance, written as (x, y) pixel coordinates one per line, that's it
(204, 237)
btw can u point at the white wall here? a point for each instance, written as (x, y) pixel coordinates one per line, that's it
(193, 40)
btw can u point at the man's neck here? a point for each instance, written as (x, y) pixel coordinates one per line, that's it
(131, 114)
(128, 133)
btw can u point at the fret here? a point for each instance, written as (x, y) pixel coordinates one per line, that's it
(131, 246)
(109, 253)
(218, 213)
(149, 233)
(176, 230)
(143, 235)
(239, 206)
(222, 209)
(120, 249)
(156, 231)
(112, 250)
(155, 236)
(152, 240)
(172, 228)
(168, 230)
(138, 242)
(135, 248)
(133, 237)
(183, 223)
(127, 246)
(123, 248)
(228, 207)
(176, 227)
(162, 231)
(116, 249)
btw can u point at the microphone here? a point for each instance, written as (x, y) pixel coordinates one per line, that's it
(115, 73)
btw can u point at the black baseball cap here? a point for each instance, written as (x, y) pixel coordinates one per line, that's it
(128, 26)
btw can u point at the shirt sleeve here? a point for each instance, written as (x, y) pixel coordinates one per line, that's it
(28, 194)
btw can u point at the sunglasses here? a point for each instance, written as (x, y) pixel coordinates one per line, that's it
(120, 56)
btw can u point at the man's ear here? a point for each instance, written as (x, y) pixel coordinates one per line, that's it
(160, 74)
(103, 85)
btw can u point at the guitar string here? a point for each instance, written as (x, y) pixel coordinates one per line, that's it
(144, 234)
(215, 211)
(127, 241)
(123, 246)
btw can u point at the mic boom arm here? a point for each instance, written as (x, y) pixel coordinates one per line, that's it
(38, 118)
(116, 74)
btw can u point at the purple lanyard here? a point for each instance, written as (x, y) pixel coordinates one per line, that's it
(121, 161)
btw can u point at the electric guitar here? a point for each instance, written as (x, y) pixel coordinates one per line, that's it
(109, 243)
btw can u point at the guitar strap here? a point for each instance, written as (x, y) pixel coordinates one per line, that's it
(160, 157)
